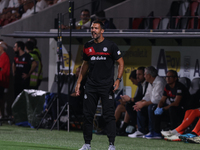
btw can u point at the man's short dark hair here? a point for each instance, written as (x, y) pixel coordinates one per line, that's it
(29, 45)
(99, 22)
(20, 44)
(152, 71)
(175, 74)
(133, 75)
(85, 10)
(34, 41)
(141, 68)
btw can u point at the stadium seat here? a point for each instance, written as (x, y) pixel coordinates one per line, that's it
(174, 8)
(136, 23)
(156, 22)
(164, 23)
(195, 94)
(183, 8)
(193, 8)
(195, 85)
(185, 81)
(183, 23)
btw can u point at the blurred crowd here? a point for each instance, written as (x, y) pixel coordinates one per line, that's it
(12, 10)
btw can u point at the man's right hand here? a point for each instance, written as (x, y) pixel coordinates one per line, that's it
(77, 89)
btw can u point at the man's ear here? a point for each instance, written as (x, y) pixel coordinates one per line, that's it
(102, 31)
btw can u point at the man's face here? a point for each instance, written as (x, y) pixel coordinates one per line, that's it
(170, 78)
(96, 30)
(85, 16)
(140, 76)
(134, 81)
(147, 76)
(15, 48)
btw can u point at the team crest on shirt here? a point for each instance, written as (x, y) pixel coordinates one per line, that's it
(85, 96)
(105, 49)
(23, 59)
(110, 97)
(118, 52)
(90, 50)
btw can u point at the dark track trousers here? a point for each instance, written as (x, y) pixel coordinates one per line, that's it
(91, 96)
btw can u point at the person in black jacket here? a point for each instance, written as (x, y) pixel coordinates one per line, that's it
(130, 102)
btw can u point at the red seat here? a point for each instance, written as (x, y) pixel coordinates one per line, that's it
(136, 22)
(198, 26)
(193, 8)
(156, 22)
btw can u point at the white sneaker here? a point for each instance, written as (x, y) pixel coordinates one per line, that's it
(85, 147)
(167, 133)
(172, 138)
(111, 147)
(136, 134)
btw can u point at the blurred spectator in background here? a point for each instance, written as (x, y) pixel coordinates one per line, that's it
(4, 74)
(29, 46)
(13, 4)
(58, 1)
(21, 8)
(100, 16)
(50, 2)
(3, 4)
(22, 68)
(85, 21)
(29, 8)
(38, 53)
(41, 4)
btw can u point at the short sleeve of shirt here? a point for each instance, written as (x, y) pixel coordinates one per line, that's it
(85, 57)
(165, 91)
(116, 53)
(30, 59)
(179, 91)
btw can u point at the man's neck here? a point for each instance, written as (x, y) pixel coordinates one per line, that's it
(99, 40)
(21, 53)
(152, 79)
(172, 85)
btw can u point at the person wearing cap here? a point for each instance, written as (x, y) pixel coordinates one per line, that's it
(4, 74)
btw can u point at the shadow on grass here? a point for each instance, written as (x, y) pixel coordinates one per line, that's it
(11, 146)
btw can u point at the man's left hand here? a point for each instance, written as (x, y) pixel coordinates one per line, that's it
(116, 85)
(138, 106)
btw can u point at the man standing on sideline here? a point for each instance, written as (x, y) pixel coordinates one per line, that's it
(22, 67)
(4, 74)
(99, 56)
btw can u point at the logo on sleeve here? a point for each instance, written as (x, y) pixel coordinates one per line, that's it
(179, 91)
(118, 52)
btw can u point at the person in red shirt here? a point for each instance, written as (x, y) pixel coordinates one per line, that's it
(4, 74)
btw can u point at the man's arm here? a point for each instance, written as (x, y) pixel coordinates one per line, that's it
(120, 72)
(175, 103)
(162, 101)
(83, 72)
(33, 66)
